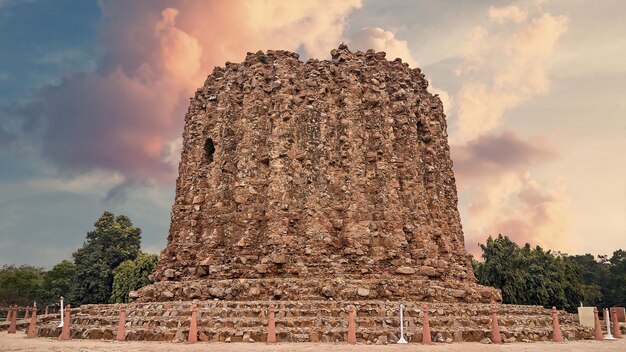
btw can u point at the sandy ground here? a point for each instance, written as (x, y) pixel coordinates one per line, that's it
(19, 342)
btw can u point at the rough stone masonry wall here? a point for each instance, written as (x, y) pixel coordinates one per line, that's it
(310, 321)
(334, 169)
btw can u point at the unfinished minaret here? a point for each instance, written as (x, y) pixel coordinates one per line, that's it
(314, 180)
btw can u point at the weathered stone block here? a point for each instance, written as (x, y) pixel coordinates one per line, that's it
(169, 273)
(406, 270)
(363, 292)
(279, 259)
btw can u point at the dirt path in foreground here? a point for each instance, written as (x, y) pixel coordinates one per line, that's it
(19, 342)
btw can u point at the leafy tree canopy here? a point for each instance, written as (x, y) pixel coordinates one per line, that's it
(530, 275)
(59, 281)
(113, 241)
(20, 285)
(604, 279)
(132, 275)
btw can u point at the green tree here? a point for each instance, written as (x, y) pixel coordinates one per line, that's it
(59, 281)
(616, 284)
(20, 285)
(593, 275)
(113, 241)
(132, 275)
(530, 275)
(572, 283)
(502, 260)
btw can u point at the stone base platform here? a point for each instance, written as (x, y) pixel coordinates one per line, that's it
(311, 321)
(319, 288)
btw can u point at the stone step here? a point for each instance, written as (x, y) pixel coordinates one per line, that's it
(312, 309)
(530, 321)
(286, 334)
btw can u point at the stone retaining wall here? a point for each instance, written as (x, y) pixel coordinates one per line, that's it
(312, 321)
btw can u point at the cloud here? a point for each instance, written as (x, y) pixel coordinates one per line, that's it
(507, 13)
(504, 67)
(118, 194)
(504, 64)
(494, 154)
(523, 209)
(382, 40)
(493, 173)
(19, 120)
(226, 30)
(126, 117)
(92, 183)
(111, 122)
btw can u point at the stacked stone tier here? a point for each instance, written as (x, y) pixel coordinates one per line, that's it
(312, 321)
(374, 287)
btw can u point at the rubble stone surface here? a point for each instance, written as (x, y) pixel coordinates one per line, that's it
(377, 322)
(299, 175)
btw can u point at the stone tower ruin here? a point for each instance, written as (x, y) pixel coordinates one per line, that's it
(315, 180)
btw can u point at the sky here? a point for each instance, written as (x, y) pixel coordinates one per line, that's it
(93, 96)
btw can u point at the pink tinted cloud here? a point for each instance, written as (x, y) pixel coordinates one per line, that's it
(110, 122)
(505, 63)
(494, 154)
(381, 40)
(493, 173)
(127, 116)
(543, 218)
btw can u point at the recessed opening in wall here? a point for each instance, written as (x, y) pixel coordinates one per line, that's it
(209, 149)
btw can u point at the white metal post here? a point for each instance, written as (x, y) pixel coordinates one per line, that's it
(61, 325)
(607, 317)
(402, 340)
